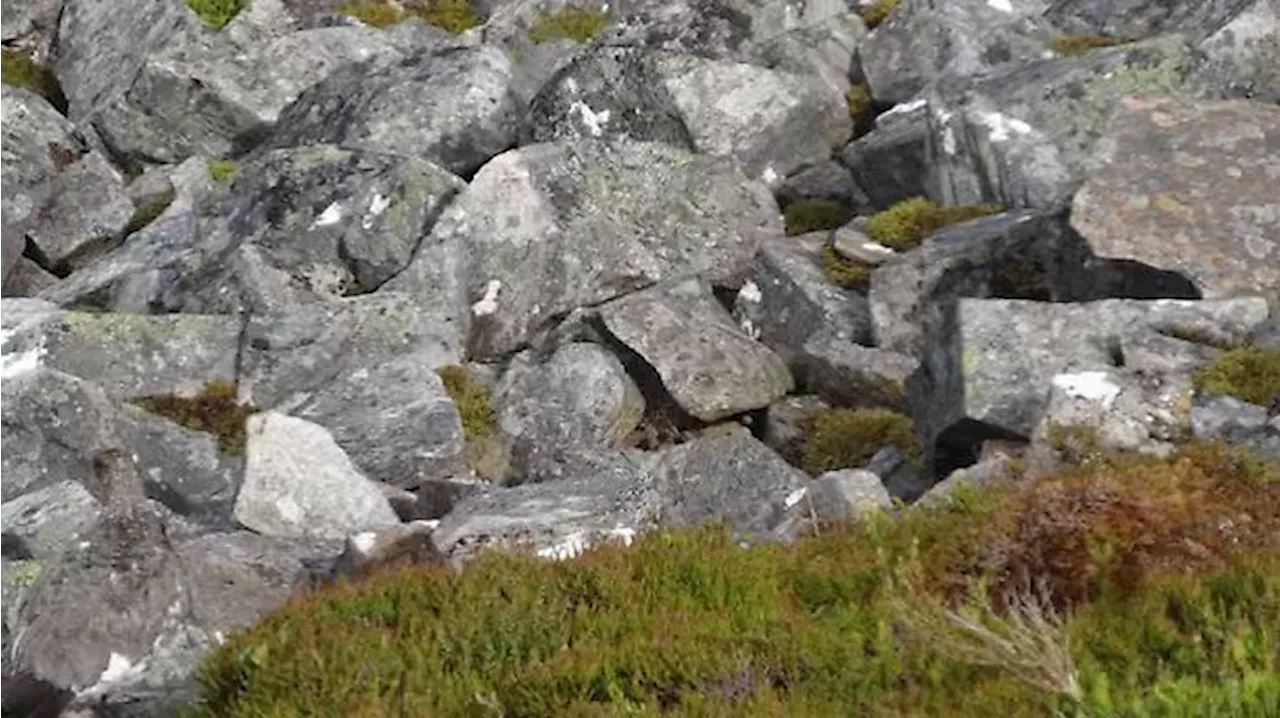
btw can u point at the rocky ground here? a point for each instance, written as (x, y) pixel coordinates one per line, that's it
(293, 293)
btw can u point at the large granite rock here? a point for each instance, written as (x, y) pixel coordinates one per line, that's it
(1242, 59)
(42, 524)
(1135, 19)
(890, 163)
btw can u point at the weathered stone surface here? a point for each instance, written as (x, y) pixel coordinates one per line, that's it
(454, 108)
(890, 163)
(1022, 135)
(787, 423)
(33, 18)
(1135, 19)
(1227, 418)
(25, 278)
(850, 374)
(827, 180)
(835, 496)
(41, 524)
(299, 483)
(1242, 59)
(1189, 187)
(707, 364)
(552, 227)
(580, 397)
(983, 473)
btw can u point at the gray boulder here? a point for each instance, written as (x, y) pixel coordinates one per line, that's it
(552, 227)
(453, 108)
(41, 524)
(890, 163)
(25, 278)
(33, 20)
(1242, 59)
(1136, 19)
(1225, 418)
(787, 424)
(706, 363)
(852, 375)
(844, 495)
(1175, 190)
(299, 483)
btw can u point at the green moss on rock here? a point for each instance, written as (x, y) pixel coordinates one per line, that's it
(906, 224)
(453, 16)
(17, 69)
(471, 398)
(848, 438)
(148, 211)
(858, 99)
(1073, 45)
(214, 410)
(815, 215)
(223, 170)
(216, 13)
(578, 24)
(878, 11)
(844, 273)
(1249, 373)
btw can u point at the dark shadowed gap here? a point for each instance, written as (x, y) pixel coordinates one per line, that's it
(960, 445)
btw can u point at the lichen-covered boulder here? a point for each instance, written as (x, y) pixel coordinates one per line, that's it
(1242, 59)
(1134, 19)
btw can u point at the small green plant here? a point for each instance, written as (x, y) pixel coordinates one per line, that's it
(859, 100)
(1073, 45)
(844, 273)
(223, 170)
(214, 410)
(814, 215)
(1249, 373)
(17, 69)
(877, 12)
(216, 13)
(149, 211)
(23, 574)
(453, 16)
(578, 24)
(374, 13)
(848, 438)
(906, 224)
(471, 399)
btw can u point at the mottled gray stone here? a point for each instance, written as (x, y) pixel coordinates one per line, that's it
(890, 163)
(787, 423)
(1242, 59)
(845, 495)
(1227, 418)
(1141, 18)
(849, 374)
(41, 524)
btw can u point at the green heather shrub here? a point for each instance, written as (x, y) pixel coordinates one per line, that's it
(1142, 605)
(17, 69)
(214, 410)
(814, 215)
(844, 273)
(454, 16)
(216, 13)
(848, 438)
(1248, 373)
(878, 11)
(1072, 45)
(471, 398)
(907, 223)
(223, 170)
(579, 24)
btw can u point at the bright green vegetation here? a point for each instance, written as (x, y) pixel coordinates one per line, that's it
(454, 16)
(223, 170)
(1110, 591)
(844, 273)
(579, 24)
(906, 224)
(214, 410)
(216, 13)
(17, 69)
(471, 399)
(814, 215)
(1249, 373)
(848, 438)
(859, 100)
(878, 11)
(149, 211)
(1073, 45)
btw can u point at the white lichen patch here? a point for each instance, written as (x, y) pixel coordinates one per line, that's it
(769, 176)
(1094, 386)
(331, 215)
(488, 304)
(594, 121)
(377, 206)
(902, 108)
(365, 542)
(1001, 5)
(795, 497)
(16, 360)
(751, 293)
(1002, 127)
(118, 668)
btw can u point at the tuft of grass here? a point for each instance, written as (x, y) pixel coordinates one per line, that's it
(17, 69)
(214, 410)
(223, 170)
(1074, 45)
(877, 12)
(906, 224)
(814, 215)
(844, 273)
(471, 398)
(1248, 373)
(453, 16)
(1156, 592)
(216, 13)
(578, 24)
(848, 438)
(149, 211)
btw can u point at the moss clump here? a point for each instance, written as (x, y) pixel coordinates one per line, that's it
(859, 100)
(223, 170)
(17, 69)
(906, 224)
(878, 11)
(454, 16)
(848, 438)
(214, 410)
(471, 399)
(1249, 373)
(23, 574)
(844, 273)
(1073, 45)
(149, 211)
(815, 215)
(1150, 608)
(216, 13)
(579, 24)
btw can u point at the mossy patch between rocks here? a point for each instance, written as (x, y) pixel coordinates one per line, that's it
(1073, 45)
(844, 273)
(223, 170)
(147, 213)
(471, 399)
(214, 410)
(906, 224)
(878, 11)
(216, 13)
(17, 69)
(1249, 373)
(453, 16)
(814, 215)
(848, 438)
(578, 24)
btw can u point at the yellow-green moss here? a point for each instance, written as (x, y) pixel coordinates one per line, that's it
(223, 170)
(216, 13)
(814, 215)
(906, 224)
(1073, 45)
(214, 410)
(454, 16)
(23, 574)
(149, 211)
(17, 69)
(878, 11)
(471, 399)
(848, 438)
(1249, 373)
(579, 24)
(844, 273)
(859, 100)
